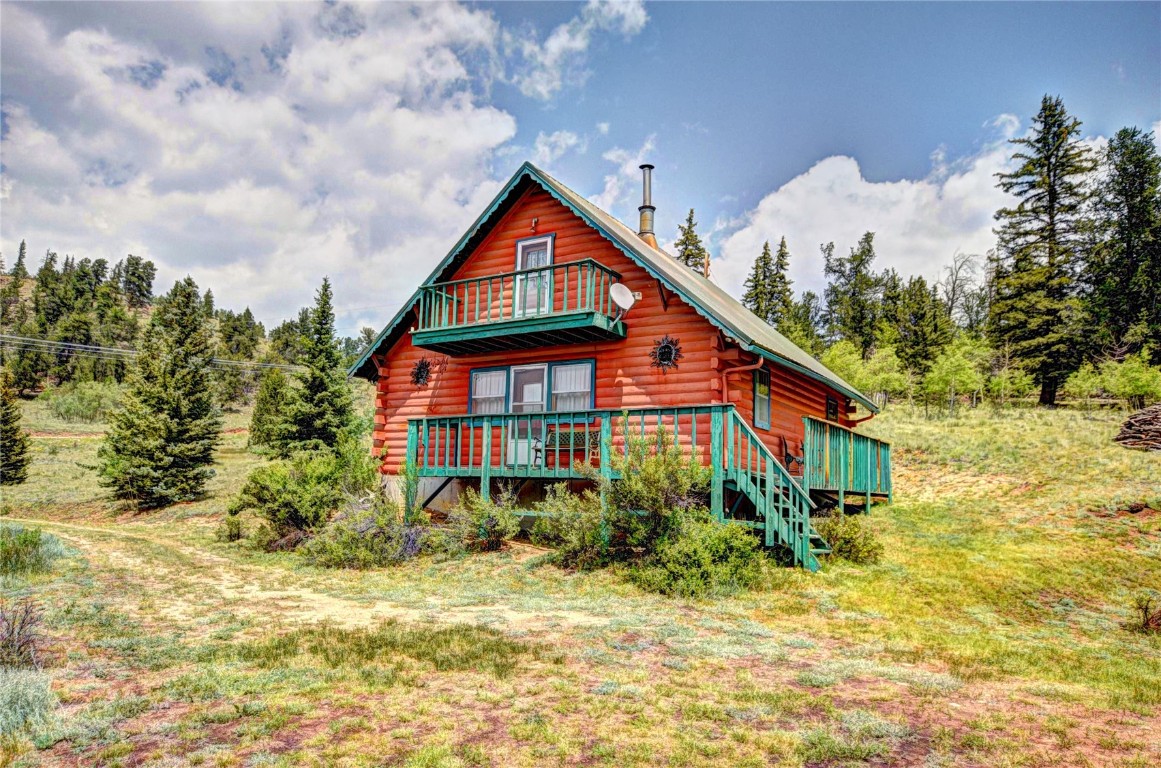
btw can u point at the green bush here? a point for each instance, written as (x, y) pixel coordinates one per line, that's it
(483, 526)
(303, 492)
(26, 700)
(850, 538)
(88, 401)
(371, 536)
(574, 525)
(27, 550)
(701, 557)
(1132, 380)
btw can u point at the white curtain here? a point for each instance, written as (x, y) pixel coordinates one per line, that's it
(488, 391)
(572, 387)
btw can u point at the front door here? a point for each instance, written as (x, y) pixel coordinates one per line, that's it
(526, 434)
(533, 289)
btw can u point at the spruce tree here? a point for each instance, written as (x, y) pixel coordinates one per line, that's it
(922, 326)
(781, 293)
(1124, 271)
(852, 290)
(322, 406)
(160, 445)
(690, 250)
(1040, 243)
(269, 405)
(803, 323)
(20, 268)
(757, 296)
(137, 283)
(15, 446)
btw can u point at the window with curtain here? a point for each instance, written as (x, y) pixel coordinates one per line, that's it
(572, 387)
(762, 398)
(489, 391)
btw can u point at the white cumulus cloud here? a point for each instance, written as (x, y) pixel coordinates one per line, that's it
(919, 224)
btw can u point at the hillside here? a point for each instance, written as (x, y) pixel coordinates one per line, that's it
(991, 634)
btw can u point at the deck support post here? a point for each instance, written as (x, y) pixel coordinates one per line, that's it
(870, 464)
(606, 474)
(717, 482)
(486, 462)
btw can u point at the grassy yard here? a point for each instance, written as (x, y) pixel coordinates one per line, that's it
(992, 634)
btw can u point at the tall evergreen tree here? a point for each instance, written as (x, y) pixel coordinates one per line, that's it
(1124, 271)
(269, 405)
(20, 268)
(159, 448)
(852, 294)
(757, 296)
(1040, 242)
(781, 288)
(922, 325)
(15, 447)
(322, 406)
(137, 282)
(690, 250)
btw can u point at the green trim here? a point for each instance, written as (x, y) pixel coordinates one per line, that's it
(520, 325)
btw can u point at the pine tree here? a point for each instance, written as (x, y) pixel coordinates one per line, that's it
(15, 447)
(269, 405)
(781, 293)
(1124, 272)
(159, 448)
(322, 406)
(690, 250)
(1040, 244)
(922, 325)
(137, 283)
(20, 268)
(852, 294)
(803, 323)
(757, 296)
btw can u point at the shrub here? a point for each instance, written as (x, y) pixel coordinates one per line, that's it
(573, 523)
(230, 529)
(26, 700)
(370, 536)
(482, 526)
(850, 538)
(1132, 380)
(701, 558)
(301, 493)
(27, 550)
(1149, 614)
(20, 636)
(87, 401)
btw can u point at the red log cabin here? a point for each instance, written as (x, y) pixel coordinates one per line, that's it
(551, 329)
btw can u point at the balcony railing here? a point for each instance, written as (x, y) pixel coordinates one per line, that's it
(841, 461)
(557, 289)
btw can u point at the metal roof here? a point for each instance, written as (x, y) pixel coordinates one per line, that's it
(713, 303)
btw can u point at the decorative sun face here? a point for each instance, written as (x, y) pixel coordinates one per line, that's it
(421, 373)
(665, 353)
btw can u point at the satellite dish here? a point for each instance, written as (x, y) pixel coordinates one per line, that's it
(622, 297)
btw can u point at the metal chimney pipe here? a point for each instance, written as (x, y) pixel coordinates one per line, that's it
(646, 209)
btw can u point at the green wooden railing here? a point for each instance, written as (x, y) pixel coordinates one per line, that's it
(573, 444)
(779, 500)
(557, 289)
(839, 460)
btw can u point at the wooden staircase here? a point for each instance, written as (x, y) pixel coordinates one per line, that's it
(780, 505)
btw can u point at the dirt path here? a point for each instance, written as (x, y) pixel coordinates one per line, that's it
(186, 582)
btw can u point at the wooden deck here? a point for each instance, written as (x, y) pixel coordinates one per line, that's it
(569, 445)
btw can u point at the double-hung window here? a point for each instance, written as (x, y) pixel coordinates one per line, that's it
(489, 391)
(572, 386)
(762, 398)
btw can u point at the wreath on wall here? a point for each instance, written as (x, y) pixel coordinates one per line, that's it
(421, 373)
(665, 353)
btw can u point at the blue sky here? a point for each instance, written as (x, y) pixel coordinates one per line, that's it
(260, 146)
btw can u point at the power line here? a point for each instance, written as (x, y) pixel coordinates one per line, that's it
(120, 354)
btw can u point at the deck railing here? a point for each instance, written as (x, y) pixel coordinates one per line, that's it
(840, 460)
(580, 444)
(574, 286)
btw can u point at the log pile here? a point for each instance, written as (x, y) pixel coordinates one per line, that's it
(1142, 430)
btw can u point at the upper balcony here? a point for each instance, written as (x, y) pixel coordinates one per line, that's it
(562, 303)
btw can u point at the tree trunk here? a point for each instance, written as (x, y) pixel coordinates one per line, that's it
(1048, 393)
